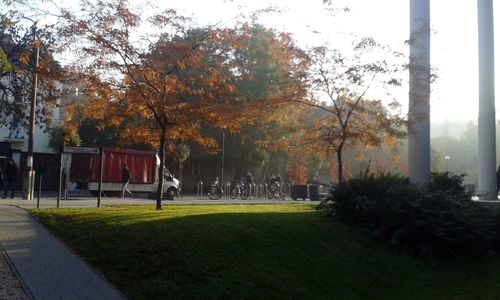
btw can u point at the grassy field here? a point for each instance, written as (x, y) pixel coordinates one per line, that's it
(256, 252)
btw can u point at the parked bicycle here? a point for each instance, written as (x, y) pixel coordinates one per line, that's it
(241, 190)
(277, 191)
(216, 190)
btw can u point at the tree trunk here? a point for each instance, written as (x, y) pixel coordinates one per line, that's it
(339, 163)
(159, 193)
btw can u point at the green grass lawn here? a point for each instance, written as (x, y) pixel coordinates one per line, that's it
(256, 252)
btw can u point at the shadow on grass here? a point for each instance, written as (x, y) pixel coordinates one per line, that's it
(254, 255)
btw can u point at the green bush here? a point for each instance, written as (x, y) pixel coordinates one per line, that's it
(449, 183)
(438, 220)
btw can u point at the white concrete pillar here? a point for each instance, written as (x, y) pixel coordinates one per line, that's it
(419, 150)
(486, 120)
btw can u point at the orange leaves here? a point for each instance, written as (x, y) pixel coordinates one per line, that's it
(297, 174)
(391, 141)
(181, 65)
(185, 76)
(24, 59)
(126, 15)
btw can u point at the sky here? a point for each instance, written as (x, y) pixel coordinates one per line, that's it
(454, 95)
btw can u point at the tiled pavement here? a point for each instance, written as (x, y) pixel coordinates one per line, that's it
(46, 267)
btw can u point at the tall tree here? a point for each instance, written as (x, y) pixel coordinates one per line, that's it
(163, 84)
(343, 114)
(274, 69)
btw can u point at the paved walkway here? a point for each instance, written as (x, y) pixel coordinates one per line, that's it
(46, 267)
(75, 201)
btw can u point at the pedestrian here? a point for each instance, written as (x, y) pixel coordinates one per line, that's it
(11, 173)
(1, 177)
(272, 179)
(249, 178)
(498, 179)
(278, 178)
(249, 183)
(126, 177)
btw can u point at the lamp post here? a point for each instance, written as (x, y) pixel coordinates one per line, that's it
(31, 134)
(447, 158)
(222, 158)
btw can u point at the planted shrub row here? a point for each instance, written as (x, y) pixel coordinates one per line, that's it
(439, 220)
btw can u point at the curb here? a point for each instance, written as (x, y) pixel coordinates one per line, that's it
(24, 286)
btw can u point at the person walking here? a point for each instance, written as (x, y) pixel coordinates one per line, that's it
(11, 173)
(249, 183)
(126, 176)
(249, 178)
(278, 178)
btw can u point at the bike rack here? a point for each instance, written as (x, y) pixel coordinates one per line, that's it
(227, 189)
(289, 187)
(199, 190)
(260, 189)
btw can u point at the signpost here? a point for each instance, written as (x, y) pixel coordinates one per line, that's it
(40, 170)
(84, 150)
(87, 150)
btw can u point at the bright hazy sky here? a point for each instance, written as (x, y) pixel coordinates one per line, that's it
(453, 42)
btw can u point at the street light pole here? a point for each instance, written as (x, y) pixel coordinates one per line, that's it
(447, 158)
(31, 136)
(222, 159)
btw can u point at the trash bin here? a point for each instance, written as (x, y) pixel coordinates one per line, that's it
(313, 192)
(298, 192)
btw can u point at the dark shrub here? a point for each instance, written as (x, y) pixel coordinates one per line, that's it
(438, 220)
(447, 182)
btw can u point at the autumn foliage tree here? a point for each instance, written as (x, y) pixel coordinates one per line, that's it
(271, 69)
(341, 114)
(164, 82)
(168, 82)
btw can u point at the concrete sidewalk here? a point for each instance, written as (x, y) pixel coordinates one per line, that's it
(79, 201)
(46, 267)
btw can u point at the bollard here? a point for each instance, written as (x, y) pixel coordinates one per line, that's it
(259, 190)
(199, 190)
(308, 193)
